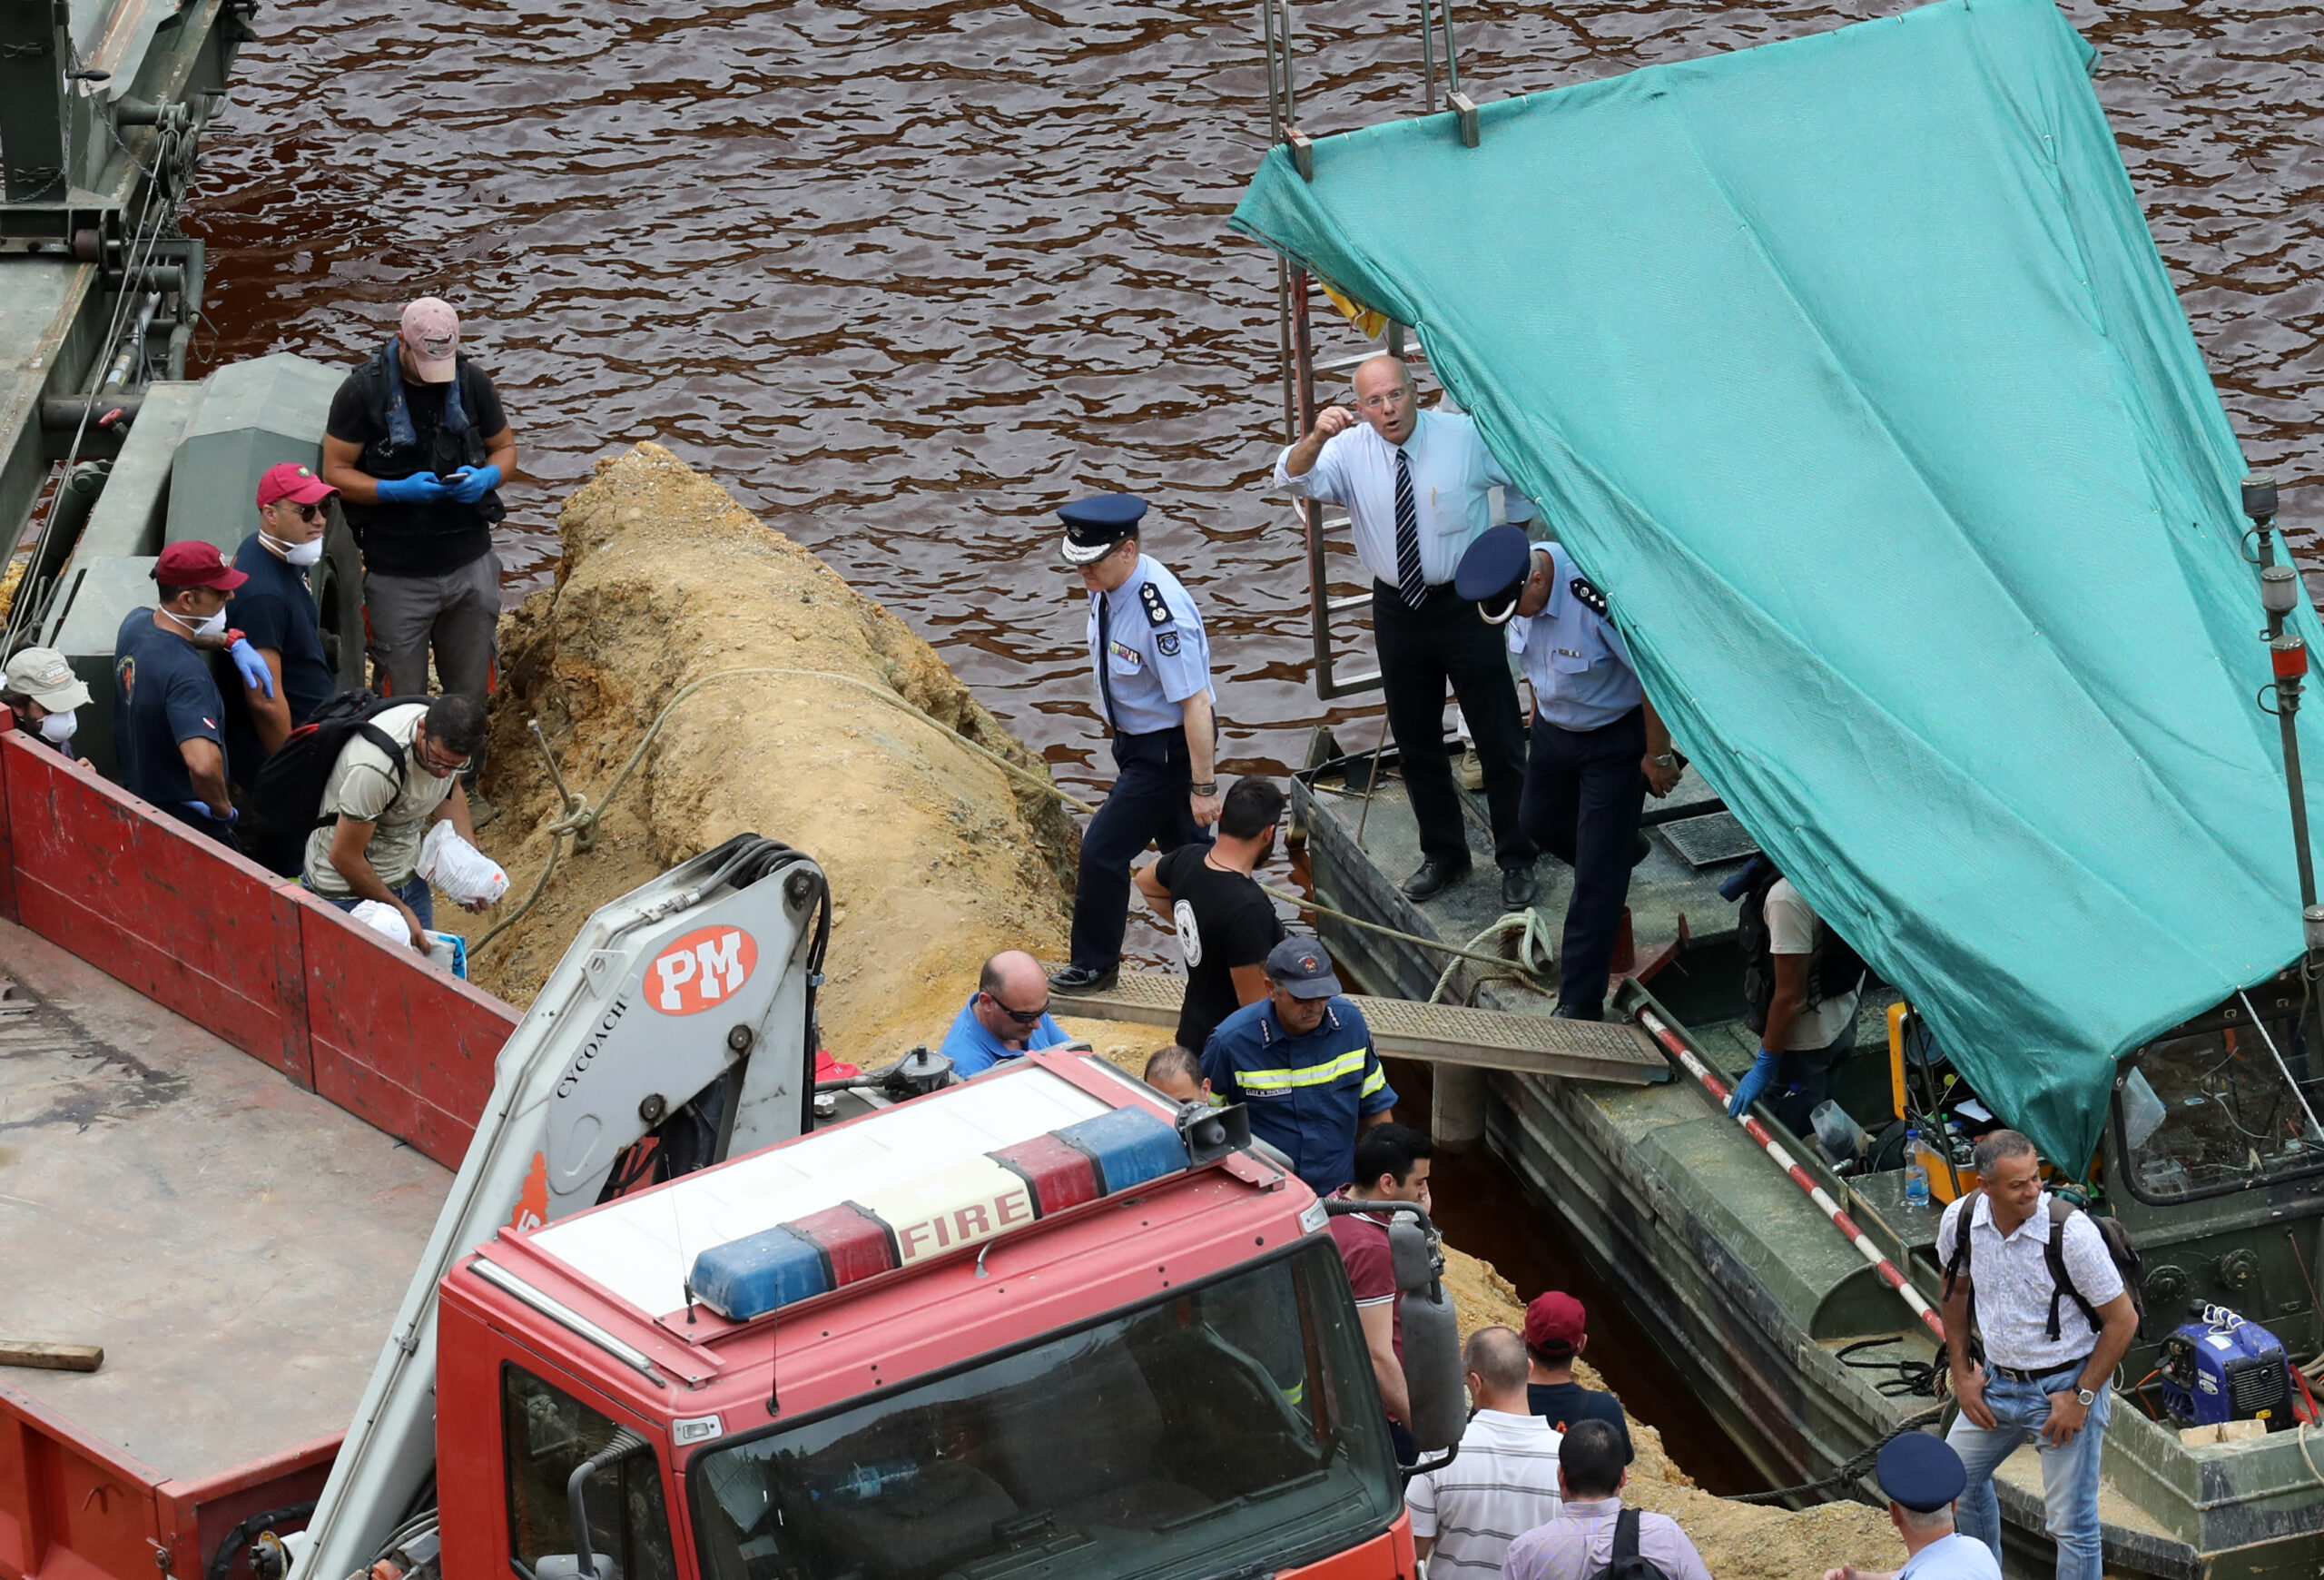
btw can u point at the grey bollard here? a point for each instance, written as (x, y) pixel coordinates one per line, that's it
(1456, 1114)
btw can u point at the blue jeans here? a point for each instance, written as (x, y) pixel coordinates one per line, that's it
(2068, 1474)
(412, 892)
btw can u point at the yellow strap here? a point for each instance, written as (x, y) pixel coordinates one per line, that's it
(1323, 1075)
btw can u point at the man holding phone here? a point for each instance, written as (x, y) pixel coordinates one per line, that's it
(418, 448)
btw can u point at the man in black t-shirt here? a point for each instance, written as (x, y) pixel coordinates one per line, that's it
(1556, 1333)
(418, 446)
(1225, 922)
(276, 610)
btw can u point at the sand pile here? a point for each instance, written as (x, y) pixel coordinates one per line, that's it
(937, 858)
(1738, 1541)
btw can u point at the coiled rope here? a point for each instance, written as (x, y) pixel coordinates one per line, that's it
(579, 818)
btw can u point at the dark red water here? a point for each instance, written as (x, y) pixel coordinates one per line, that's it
(908, 273)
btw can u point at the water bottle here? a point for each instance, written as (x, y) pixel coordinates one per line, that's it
(865, 1483)
(1915, 1171)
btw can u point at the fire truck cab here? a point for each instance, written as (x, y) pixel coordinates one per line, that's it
(1037, 1323)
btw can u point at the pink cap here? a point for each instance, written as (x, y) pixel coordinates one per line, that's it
(431, 333)
(289, 481)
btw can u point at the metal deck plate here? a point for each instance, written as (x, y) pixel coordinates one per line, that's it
(1707, 841)
(1440, 1034)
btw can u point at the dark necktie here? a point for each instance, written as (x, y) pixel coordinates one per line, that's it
(1409, 580)
(1105, 657)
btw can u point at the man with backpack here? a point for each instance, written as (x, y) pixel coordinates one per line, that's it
(1596, 1538)
(1801, 986)
(396, 771)
(2045, 1291)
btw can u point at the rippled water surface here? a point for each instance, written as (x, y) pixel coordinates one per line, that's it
(907, 274)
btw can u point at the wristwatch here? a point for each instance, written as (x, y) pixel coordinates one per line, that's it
(1667, 760)
(2088, 1396)
(1209, 787)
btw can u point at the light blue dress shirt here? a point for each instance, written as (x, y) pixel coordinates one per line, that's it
(1452, 478)
(973, 1050)
(1953, 1557)
(1575, 657)
(1155, 653)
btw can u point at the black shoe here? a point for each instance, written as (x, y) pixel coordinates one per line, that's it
(1083, 979)
(1641, 850)
(1579, 1012)
(1436, 876)
(1519, 887)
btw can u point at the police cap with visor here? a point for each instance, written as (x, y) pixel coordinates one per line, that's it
(1094, 526)
(1492, 572)
(1920, 1471)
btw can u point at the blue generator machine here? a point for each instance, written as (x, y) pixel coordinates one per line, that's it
(2219, 1368)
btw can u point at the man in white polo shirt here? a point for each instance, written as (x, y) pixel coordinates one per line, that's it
(1501, 1483)
(2051, 1347)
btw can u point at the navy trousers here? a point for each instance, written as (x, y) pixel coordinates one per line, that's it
(1584, 790)
(1446, 641)
(1148, 804)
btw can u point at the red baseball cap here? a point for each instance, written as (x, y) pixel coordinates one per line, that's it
(298, 484)
(1554, 1321)
(194, 563)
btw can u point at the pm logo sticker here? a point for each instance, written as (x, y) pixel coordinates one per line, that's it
(701, 971)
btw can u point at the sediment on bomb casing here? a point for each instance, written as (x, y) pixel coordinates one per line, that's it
(937, 858)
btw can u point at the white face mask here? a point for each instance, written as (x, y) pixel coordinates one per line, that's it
(306, 553)
(214, 626)
(59, 726)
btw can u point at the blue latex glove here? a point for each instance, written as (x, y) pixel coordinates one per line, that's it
(419, 489)
(471, 484)
(203, 808)
(1755, 1082)
(255, 674)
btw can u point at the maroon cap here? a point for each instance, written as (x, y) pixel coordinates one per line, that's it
(1554, 1321)
(194, 563)
(291, 481)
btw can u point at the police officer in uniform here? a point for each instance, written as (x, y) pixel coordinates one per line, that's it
(1153, 674)
(1597, 746)
(1923, 1477)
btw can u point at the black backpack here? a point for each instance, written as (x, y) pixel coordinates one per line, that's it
(2119, 1249)
(1624, 1563)
(287, 799)
(1834, 967)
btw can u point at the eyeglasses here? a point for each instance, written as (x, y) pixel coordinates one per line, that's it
(436, 765)
(1022, 1017)
(1396, 396)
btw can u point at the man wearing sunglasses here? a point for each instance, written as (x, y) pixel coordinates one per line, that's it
(381, 802)
(275, 610)
(1008, 1014)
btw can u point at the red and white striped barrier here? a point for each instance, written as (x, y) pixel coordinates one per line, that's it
(1889, 1270)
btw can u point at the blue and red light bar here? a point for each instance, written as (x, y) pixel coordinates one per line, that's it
(972, 1200)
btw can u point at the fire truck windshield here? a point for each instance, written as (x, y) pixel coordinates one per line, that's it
(1222, 1424)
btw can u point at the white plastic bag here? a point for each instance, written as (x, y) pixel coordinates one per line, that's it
(458, 868)
(384, 920)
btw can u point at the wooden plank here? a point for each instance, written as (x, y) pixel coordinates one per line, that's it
(47, 1356)
(1437, 1034)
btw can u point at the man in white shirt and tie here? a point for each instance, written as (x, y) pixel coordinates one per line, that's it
(1417, 486)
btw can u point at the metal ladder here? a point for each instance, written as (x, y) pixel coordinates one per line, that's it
(1296, 293)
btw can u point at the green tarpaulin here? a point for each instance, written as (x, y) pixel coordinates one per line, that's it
(1846, 366)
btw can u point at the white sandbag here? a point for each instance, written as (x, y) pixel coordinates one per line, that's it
(458, 868)
(384, 920)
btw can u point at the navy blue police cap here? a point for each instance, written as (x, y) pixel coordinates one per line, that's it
(1921, 1471)
(1094, 525)
(1492, 572)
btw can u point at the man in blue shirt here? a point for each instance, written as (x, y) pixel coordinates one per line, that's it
(1300, 1060)
(166, 706)
(1008, 1014)
(1597, 746)
(1153, 673)
(276, 610)
(1923, 1477)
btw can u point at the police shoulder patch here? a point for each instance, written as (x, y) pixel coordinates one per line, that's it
(1166, 643)
(1157, 609)
(1592, 598)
